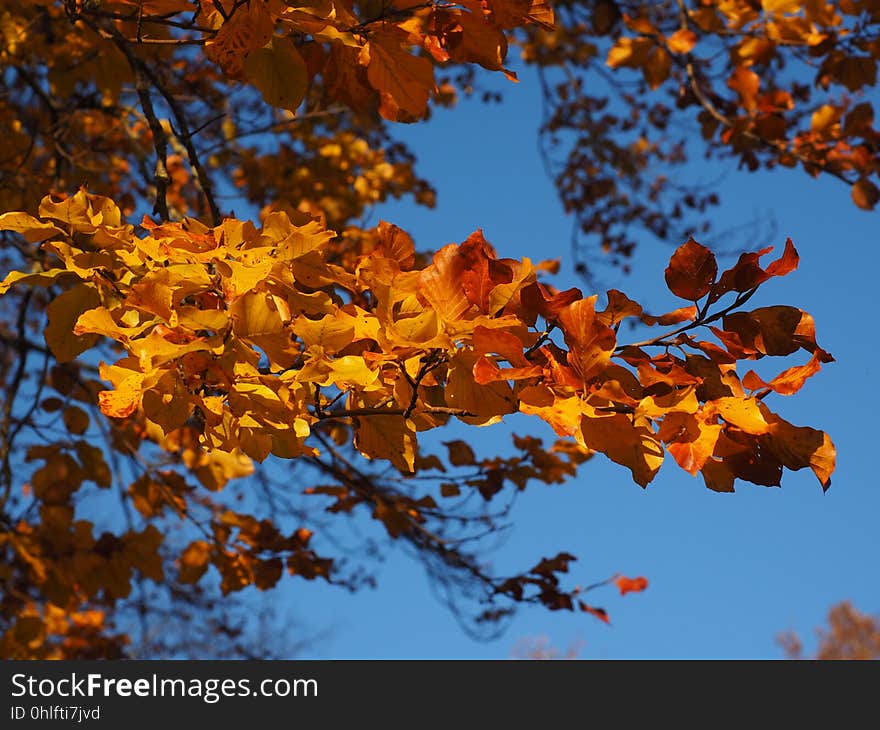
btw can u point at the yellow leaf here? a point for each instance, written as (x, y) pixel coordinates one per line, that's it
(33, 230)
(563, 414)
(591, 342)
(253, 316)
(155, 350)
(657, 406)
(781, 6)
(824, 118)
(100, 321)
(302, 240)
(62, 314)
(332, 332)
(350, 370)
(124, 399)
(415, 331)
(744, 413)
(40, 278)
(690, 439)
(152, 294)
(502, 294)
(168, 404)
(216, 468)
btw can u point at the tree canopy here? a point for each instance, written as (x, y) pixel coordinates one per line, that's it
(166, 363)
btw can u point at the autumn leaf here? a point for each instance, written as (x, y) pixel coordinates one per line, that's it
(194, 561)
(789, 381)
(865, 194)
(441, 284)
(404, 82)
(243, 33)
(745, 83)
(591, 342)
(278, 72)
(682, 41)
(63, 313)
(387, 437)
(195, 342)
(32, 229)
(460, 453)
(599, 613)
(691, 271)
(635, 447)
(630, 585)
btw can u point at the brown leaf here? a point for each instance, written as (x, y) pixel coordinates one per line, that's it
(691, 271)
(599, 613)
(460, 453)
(865, 194)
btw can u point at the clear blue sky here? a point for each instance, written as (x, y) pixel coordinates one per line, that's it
(727, 572)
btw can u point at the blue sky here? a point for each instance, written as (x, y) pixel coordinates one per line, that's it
(727, 572)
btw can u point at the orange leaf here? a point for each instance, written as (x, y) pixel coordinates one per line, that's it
(745, 82)
(479, 42)
(509, 346)
(789, 381)
(635, 447)
(397, 244)
(690, 439)
(539, 299)
(674, 317)
(404, 81)
(440, 284)
(682, 41)
(630, 585)
(591, 342)
(620, 306)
